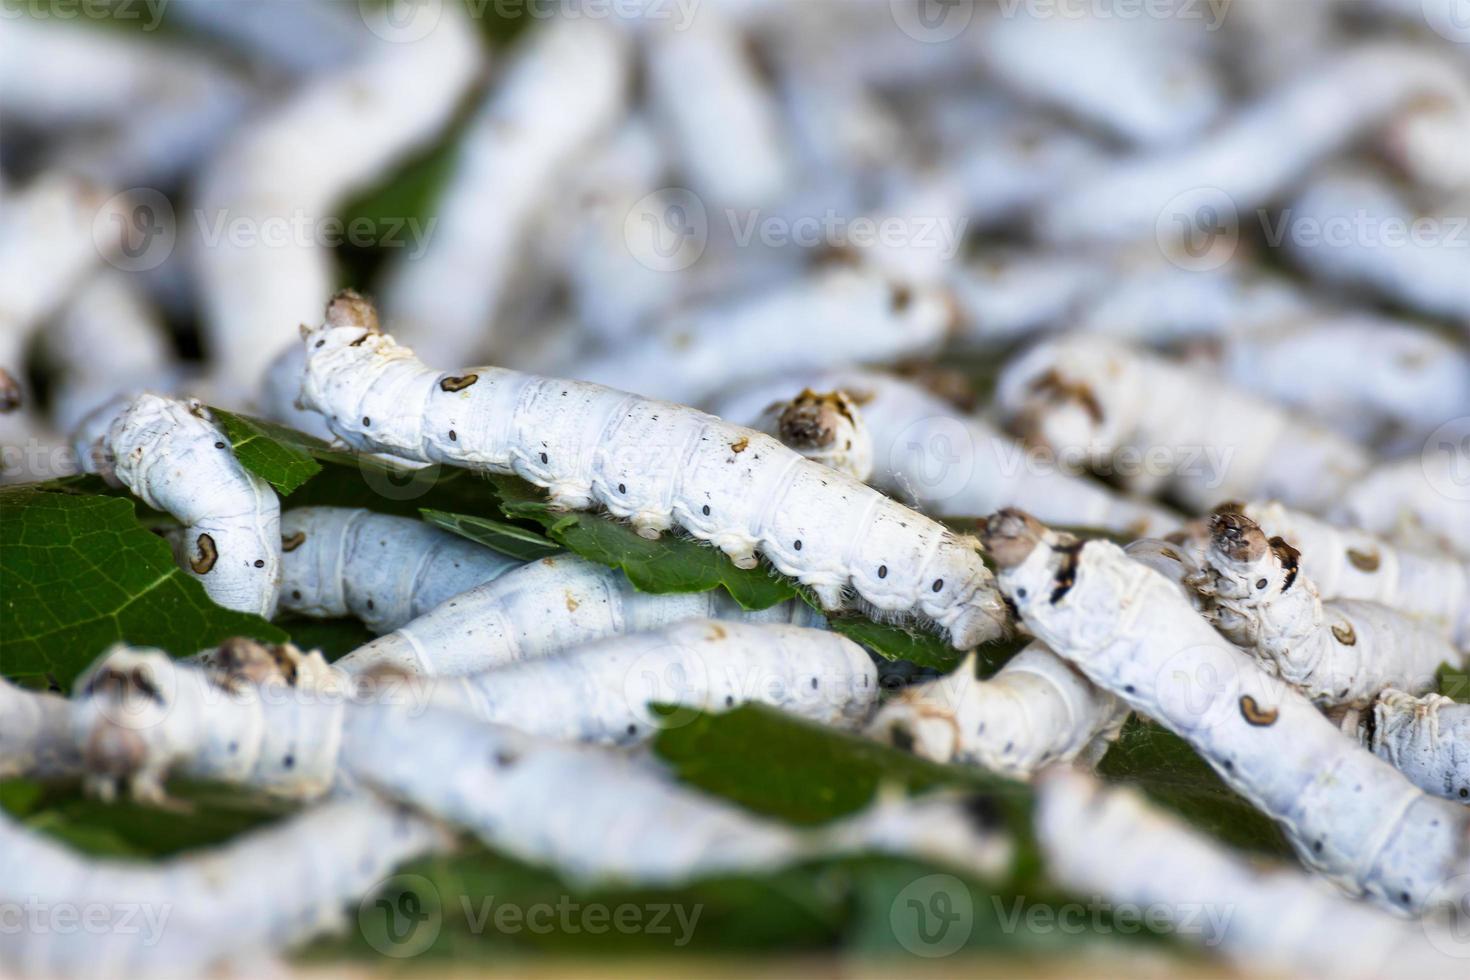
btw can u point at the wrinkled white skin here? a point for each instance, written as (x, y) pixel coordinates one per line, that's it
(950, 463)
(658, 465)
(554, 604)
(1346, 563)
(170, 454)
(107, 340)
(1402, 501)
(564, 87)
(835, 316)
(589, 814)
(1423, 269)
(1339, 654)
(1254, 155)
(827, 428)
(290, 168)
(1349, 814)
(383, 570)
(1426, 738)
(35, 734)
(725, 131)
(1110, 842)
(1139, 79)
(600, 692)
(209, 910)
(1162, 425)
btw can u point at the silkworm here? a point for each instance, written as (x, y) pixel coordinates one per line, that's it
(286, 171)
(1004, 296)
(1403, 501)
(826, 428)
(1426, 738)
(600, 692)
(204, 910)
(1253, 156)
(950, 463)
(565, 86)
(1157, 425)
(1348, 814)
(655, 464)
(35, 734)
(550, 605)
(1346, 563)
(292, 39)
(1351, 229)
(173, 457)
(1343, 653)
(1110, 842)
(383, 570)
(835, 316)
(590, 814)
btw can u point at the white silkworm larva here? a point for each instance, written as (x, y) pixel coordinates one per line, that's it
(1422, 266)
(293, 38)
(590, 814)
(1254, 155)
(725, 131)
(107, 340)
(1112, 843)
(170, 454)
(1349, 814)
(1036, 710)
(284, 173)
(194, 914)
(1142, 81)
(600, 692)
(658, 465)
(1426, 738)
(547, 606)
(1003, 296)
(384, 570)
(35, 734)
(565, 86)
(1155, 302)
(1405, 500)
(826, 428)
(836, 316)
(1346, 563)
(954, 464)
(1093, 400)
(1344, 653)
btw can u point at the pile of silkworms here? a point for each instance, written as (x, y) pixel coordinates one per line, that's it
(1139, 333)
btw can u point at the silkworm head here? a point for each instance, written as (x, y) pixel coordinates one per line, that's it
(350, 308)
(1237, 538)
(1010, 536)
(813, 421)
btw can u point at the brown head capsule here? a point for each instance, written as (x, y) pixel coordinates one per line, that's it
(811, 421)
(349, 308)
(1060, 390)
(1237, 537)
(1010, 535)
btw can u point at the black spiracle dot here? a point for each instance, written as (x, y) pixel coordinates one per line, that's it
(289, 761)
(706, 510)
(1021, 592)
(453, 436)
(632, 729)
(1464, 793)
(729, 700)
(882, 571)
(544, 459)
(219, 445)
(938, 584)
(370, 604)
(622, 488)
(260, 563)
(797, 545)
(1260, 583)
(366, 420)
(814, 683)
(296, 593)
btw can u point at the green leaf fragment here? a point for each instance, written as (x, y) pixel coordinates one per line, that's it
(508, 539)
(280, 456)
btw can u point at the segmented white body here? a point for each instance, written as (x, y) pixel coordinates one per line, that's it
(656, 464)
(837, 316)
(286, 172)
(600, 692)
(35, 734)
(170, 454)
(564, 88)
(1426, 738)
(590, 814)
(1343, 653)
(384, 570)
(1254, 155)
(1005, 296)
(1425, 275)
(954, 464)
(1346, 563)
(547, 606)
(203, 911)
(1349, 814)
(1158, 424)
(1111, 843)
(1406, 500)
